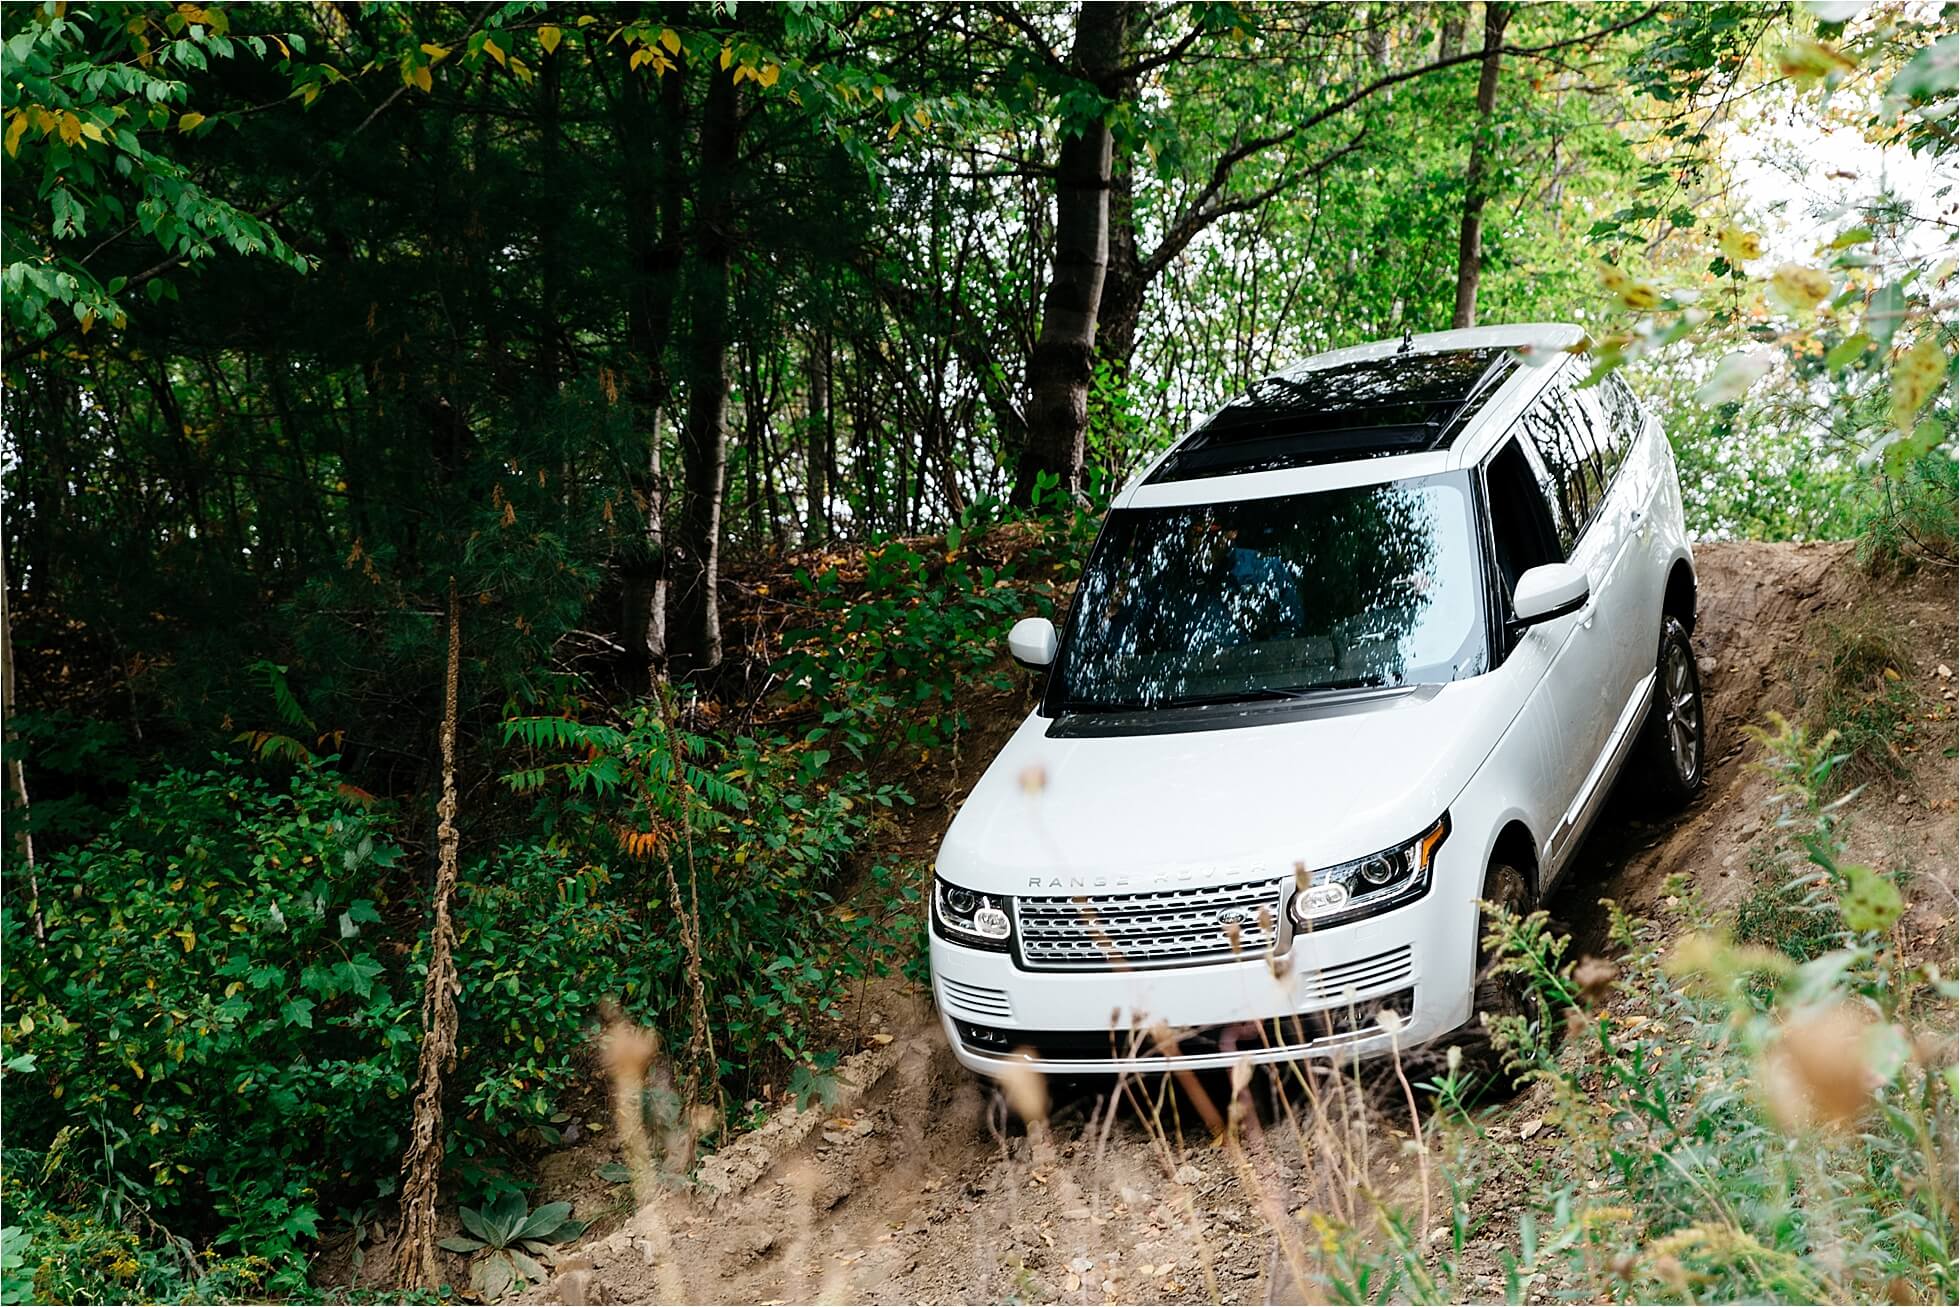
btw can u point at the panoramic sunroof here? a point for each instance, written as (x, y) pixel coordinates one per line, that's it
(1402, 404)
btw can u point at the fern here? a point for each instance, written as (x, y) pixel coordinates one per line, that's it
(290, 710)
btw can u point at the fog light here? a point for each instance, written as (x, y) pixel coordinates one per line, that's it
(1316, 900)
(991, 922)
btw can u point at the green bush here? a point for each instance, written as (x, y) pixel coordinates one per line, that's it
(207, 1035)
(757, 846)
(1907, 515)
(541, 938)
(1735, 1126)
(883, 657)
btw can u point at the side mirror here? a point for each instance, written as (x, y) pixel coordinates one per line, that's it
(1032, 642)
(1549, 591)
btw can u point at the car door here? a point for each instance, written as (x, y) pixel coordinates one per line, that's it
(1557, 732)
(1600, 680)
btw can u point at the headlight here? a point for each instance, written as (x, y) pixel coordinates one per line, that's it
(1361, 888)
(970, 917)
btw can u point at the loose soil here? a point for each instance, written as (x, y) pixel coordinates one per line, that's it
(927, 1191)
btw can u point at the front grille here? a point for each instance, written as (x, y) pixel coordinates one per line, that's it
(1305, 1031)
(1161, 928)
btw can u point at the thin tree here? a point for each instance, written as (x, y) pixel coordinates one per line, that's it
(16, 770)
(415, 1255)
(1064, 357)
(1476, 185)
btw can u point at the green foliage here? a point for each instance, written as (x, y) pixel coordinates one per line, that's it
(884, 656)
(1787, 909)
(1737, 1123)
(97, 105)
(540, 940)
(750, 847)
(510, 1238)
(214, 1034)
(1908, 519)
(1858, 696)
(52, 1253)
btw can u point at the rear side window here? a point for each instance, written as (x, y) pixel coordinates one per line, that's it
(1609, 450)
(1624, 416)
(1559, 430)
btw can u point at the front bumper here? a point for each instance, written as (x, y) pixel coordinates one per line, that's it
(1319, 998)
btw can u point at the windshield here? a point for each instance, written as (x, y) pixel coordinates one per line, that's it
(1213, 603)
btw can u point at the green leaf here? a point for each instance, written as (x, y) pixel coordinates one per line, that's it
(1884, 314)
(1870, 902)
(543, 1221)
(1847, 350)
(473, 1222)
(460, 1243)
(297, 1012)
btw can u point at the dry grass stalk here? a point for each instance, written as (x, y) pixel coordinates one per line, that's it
(628, 1053)
(415, 1249)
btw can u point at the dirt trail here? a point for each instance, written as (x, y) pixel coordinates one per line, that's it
(925, 1193)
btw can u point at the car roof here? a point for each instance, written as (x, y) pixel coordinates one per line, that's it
(1383, 411)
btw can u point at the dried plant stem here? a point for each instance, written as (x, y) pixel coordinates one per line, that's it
(627, 1053)
(415, 1255)
(704, 1066)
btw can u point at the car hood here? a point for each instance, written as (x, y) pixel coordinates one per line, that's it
(1131, 812)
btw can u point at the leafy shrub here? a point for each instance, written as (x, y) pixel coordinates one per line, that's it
(207, 1035)
(1859, 694)
(1736, 1126)
(746, 844)
(541, 938)
(511, 1238)
(77, 1255)
(883, 657)
(1907, 516)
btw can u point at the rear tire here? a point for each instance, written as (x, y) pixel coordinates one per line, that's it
(1674, 742)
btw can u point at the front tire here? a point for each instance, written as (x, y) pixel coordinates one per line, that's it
(1497, 994)
(1674, 743)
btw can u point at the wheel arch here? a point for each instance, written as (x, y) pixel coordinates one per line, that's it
(1516, 845)
(1679, 599)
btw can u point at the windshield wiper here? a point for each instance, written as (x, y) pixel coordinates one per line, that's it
(1270, 693)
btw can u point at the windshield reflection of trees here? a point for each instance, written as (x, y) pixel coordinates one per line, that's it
(1215, 601)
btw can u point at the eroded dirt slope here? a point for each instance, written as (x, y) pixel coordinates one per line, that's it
(925, 1192)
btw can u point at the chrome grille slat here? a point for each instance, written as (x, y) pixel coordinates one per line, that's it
(1377, 972)
(977, 1000)
(1152, 928)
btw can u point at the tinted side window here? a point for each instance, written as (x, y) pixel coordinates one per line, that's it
(1609, 450)
(1558, 430)
(1624, 417)
(1521, 527)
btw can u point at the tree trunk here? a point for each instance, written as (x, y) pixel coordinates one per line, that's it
(16, 770)
(1125, 282)
(1470, 236)
(415, 1255)
(696, 634)
(1451, 43)
(819, 447)
(654, 197)
(1063, 361)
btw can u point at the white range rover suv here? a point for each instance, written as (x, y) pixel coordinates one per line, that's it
(1367, 647)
